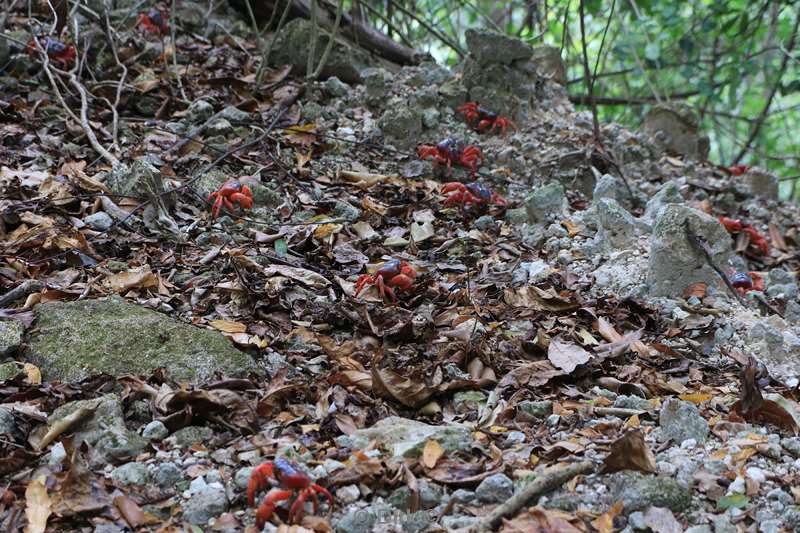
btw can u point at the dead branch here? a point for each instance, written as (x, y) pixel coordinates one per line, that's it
(549, 480)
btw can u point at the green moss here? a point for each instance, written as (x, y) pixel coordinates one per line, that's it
(76, 339)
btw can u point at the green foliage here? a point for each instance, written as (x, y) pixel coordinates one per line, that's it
(727, 56)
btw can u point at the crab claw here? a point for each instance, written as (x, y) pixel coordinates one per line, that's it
(259, 480)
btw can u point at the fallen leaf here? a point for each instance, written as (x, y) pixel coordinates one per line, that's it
(661, 520)
(34, 374)
(132, 513)
(533, 297)
(228, 326)
(63, 425)
(605, 522)
(566, 356)
(697, 289)
(392, 386)
(695, 397)
(630, 452)
(431, 453)
(37, 505)
(133, 279)
(422, 232)
(734, 501)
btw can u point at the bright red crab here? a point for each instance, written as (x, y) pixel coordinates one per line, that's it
(290, 479)
(393, 273)
(735, 170)
(451, 152)
(745, 282)
(154, 21)
(231, 192)
(482, 120)
(58, 52)
(471, 193)
(735, 226)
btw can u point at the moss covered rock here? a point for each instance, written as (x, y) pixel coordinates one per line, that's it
(73, 340)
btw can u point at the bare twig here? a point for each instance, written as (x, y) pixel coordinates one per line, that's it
(324, 59)
(588, 75)
(442, 37)
(265, 56)
(27, 287)
(175, 51)
(549, 480)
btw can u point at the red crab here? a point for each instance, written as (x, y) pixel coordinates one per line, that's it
(452, 151)
(154, 21)
(290, 479)
(471, 193)
(393, 273)
(735, 170)
(232, 191)
(59, 52)
(735, 226)
(745, 282)
(482, 120)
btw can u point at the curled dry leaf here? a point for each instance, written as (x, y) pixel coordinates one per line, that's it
(605, 522)
(132, 513)
(533, 374)
(630, 452)
(122, 282)
(451, 471)
(431, 453)
(228, 326)
(392, 386)
(64, 424)
(533, 297)
(566, 356)
(37, 505)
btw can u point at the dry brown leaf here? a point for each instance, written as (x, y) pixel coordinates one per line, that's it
(392, 386)
(228, 326)
(122, 282)
(533, 374)
(34, 374)
(432, 452)
(533, 297)
(630, 452)
(132, 513)
(566, 356)
(540, 520)
(37, 505)
(605, 522)
(63, 425)
(695, 289)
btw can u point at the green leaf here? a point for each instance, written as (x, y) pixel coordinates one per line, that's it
(652, 51)
(734, 501)
(281, 248)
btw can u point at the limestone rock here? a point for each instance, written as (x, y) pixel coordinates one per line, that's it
(609, 186)
(617, 227)
(638, 491)
(675, 128)
(401, 124)
(74, 340)
(546, 202)
(761, 183)
(488, 47)
(11, 332)
(548, 61)
(680, 420)
(669, 193)
(406, 438)
(674, 261)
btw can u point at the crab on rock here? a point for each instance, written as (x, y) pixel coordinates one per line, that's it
(154, 21)
(231, 192)
(471, 193)
(290, 479)
(734, 226)
(451, 152)
(393, 273)
(482, 120)
(57, 51)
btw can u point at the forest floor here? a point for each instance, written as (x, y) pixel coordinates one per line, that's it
(603, 338)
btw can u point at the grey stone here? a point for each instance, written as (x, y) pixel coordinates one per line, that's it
(377, 81)
(549, 63)
(76, 339)
(131, 474)
(415, 522)
(426, 74)
(335, 87)
(609, 186)
(347, 494)
(205, 504)
(496, 488)
(617, 227)
(669, 193)
(674, 261)
(167, 474)
(104, 431)
(538, 409)
(357, 521)
(792, 445)
(633, 402)
(761, 183)
(531, 272)
(8, 424)
(155, 430)
(185, 437)
(242, 477)
(463, 496)
(292, 46)
(430, 117)
(430, 495)
(675, 129)
(401, 124)
(638, 492)
(219, 126)
(99, 221)
(10, 369)
(198, 112)
(468, 401)
(514, 437)
(234, 115)
(770, 526)
(484, 222)
(546, 203)
(407, 438)
(11, 332)
(453, 523)
(699, 529)
(346, 211)
(680, 420)
(722, 524)
(488, 47)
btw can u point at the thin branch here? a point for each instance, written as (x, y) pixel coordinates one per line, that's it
(442, 37)
(331, 41)
(587, 75)
(265, 56)
(762, 117)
